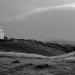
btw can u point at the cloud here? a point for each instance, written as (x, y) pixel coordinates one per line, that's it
(42, 9)
(24, 15)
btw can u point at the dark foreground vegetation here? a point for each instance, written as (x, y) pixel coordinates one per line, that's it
(64, 65)
(34, 47)
(22, 66)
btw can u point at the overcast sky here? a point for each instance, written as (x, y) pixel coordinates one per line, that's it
(39, 19)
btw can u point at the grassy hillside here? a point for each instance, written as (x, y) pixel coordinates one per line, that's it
(35, 47)
(15, 59)
(29, 46)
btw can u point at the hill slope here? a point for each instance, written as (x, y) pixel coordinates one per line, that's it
(29, 46)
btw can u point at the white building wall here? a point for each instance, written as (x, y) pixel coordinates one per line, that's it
(1, 34)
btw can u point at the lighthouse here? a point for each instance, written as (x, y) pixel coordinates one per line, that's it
(1, 33)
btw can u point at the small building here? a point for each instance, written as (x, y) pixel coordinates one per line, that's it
(1, 33)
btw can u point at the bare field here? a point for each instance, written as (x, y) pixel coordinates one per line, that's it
(59, 65)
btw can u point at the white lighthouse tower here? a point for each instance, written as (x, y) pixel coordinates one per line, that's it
(1, 33)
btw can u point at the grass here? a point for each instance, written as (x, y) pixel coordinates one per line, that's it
(33, 66)
(30, 46)
(31, 57)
